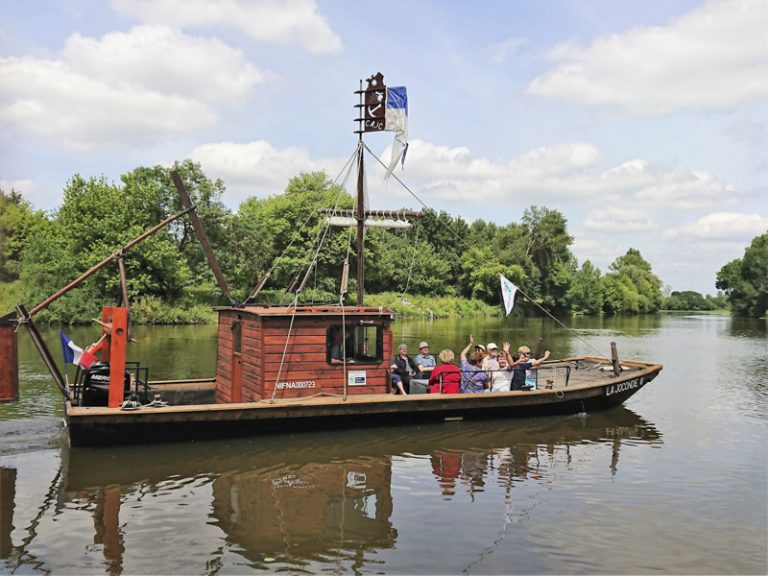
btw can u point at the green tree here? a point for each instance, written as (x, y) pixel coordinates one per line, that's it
(480, 269)
(745, 280)
(18, 223)
(549, 263)
(639, 287)
(284, 231)
(584, 293)
(98, 217)
(688, 300)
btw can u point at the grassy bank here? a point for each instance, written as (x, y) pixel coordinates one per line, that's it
(415, 306)
(153, 310)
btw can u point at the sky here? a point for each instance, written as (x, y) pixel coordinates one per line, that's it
(644, 123)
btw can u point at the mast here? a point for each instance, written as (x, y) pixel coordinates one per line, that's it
(360, 217)
(372, 117)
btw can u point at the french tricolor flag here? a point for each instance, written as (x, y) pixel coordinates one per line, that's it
(73, 354)
(396, 120)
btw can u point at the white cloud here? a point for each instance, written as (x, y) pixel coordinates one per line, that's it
(50, 98)
(26, 186)
(279, 22)
(130, 88)
(161, 59)
(257, 168)
(721, 226)
(566, 174)
(712, 58)
(570, 172)
(612, 219)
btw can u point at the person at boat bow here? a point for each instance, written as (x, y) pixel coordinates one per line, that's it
(523, 362)
(473, 378)
(403, 368)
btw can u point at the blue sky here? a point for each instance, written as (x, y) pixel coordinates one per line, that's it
(644, 123)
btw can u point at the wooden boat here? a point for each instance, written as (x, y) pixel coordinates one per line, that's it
(275, 371)
(580, 385)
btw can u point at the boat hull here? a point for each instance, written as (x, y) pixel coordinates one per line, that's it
(104, 426)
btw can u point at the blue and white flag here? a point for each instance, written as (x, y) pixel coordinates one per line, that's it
(396, 120)
(508, 291)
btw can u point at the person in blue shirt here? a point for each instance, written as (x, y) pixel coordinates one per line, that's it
(425, 361)
(519, 368)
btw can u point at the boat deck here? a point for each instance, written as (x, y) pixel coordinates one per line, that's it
(557, 376)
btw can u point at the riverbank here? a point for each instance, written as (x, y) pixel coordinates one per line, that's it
(153, 310)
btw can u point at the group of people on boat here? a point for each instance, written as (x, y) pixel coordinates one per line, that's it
(485, 369)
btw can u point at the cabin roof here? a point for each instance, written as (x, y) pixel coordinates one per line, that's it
(310, 311)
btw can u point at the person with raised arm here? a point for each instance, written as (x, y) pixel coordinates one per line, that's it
(501, 378)
(522, 364)
(473, 378)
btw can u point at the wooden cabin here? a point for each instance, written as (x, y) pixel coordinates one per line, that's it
(302, 351)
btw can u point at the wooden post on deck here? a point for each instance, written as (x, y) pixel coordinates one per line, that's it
(615, 359)
(115, 326)
(9, 360)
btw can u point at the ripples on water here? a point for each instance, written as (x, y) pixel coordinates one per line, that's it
(673, 484)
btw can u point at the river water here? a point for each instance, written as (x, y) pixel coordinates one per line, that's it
(674, 481)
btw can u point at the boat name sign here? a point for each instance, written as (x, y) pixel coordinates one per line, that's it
(623, 386)
(301, 384)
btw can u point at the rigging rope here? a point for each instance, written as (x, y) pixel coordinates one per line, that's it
(285, 350)
(296, 295)
(323, 232)
(466, 244)
(413, 260)
(348, 167)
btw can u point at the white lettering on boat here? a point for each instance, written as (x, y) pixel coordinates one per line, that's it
(291, 481)
(299, 385)
(623, 386)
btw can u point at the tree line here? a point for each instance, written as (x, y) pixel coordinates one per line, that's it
(169, 279)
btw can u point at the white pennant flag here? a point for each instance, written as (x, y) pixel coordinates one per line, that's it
(508, 291)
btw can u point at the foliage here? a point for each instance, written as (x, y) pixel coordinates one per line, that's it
(745, 280)
(417, 306)
(153, 310)
(584, 293)
(18, 223)
(548, 258)
(631, 287)
(283, 231)
(441, 263)
(694, 301)
(97, 217)
(10, 295)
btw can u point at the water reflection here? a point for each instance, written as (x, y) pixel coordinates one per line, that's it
(320, 502)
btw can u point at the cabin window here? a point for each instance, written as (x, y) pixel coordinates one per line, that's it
(237, 336)
(364, 344)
